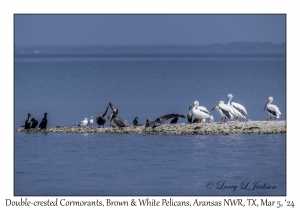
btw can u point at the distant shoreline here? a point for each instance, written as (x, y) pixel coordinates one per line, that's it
(234, 47)
(252, 127)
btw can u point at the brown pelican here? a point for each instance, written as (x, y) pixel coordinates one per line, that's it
(101, 119)
(117, 121)
(161, 119)
(272, 109)
(44, 122)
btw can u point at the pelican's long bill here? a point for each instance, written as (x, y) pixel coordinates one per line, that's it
(266, 105)
(215, 107)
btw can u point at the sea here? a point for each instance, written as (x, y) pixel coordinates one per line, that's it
(74, 86)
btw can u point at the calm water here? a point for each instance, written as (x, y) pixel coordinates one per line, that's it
(71, 87)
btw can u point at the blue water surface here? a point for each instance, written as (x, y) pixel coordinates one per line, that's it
(73, 86)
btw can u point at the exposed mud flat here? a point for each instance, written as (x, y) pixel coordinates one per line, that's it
(252, 127)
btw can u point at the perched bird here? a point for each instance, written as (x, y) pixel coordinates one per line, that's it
(161, 119)
(174, 120)
(190, 115)
(211, 119)
(196, 120)
(90, 122)
(272, 109)
(28, 121)
(199, 112)
(136, 122)
(101, 119)
(82, 123)
(117, 121)
(238, 109)
(43, 124)
(224, 110)
(34, 123)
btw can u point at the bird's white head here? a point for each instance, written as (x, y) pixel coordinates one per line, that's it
(221, 102)
(91, 117)
(85, 118)
(229, 97)
(270, 99)
(196, 103)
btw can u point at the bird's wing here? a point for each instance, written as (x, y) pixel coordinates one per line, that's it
(240, 108)
(202, 109)
(273, 108)
(121, 122)
(167, 117)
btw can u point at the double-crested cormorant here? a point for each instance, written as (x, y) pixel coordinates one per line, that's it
(200, 112)
(28, 121)
(117, 121)
(238, 109)
(44, 122)
(34, 123)
(190, 115)
(196, 120)
(161, 119)
(82, 123)
(136, 122)
(272, 109)
(101, 119)
(174, 120)
(90, 122)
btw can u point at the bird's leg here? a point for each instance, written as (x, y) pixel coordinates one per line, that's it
(270, 119)
(274, 118)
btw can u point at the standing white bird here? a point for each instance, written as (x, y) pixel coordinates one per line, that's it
(211, 119)
(200, 112)
(224, 110)
(238, 109)
(82, 123)
(91, 121)
(272, 109)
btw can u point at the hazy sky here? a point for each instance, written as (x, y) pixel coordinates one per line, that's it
(147, 29)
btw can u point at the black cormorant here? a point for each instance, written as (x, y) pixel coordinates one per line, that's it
(43, 124)
(101, 119)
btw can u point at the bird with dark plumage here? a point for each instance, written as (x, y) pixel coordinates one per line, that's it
(174, 120)
(117, 121)
(161, 119)
(190, 115)
(101, 119)
(43, 124)
(196, 120)
(34, 123)
(136, 122)
(28, 121)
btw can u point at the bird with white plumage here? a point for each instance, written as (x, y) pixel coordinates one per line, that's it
(200, 112)
(224, 110)
(272, 109)
(238, 109)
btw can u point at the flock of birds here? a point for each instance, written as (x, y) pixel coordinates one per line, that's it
(230, 110)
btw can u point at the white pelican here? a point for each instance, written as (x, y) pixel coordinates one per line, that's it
(211, 119)
(91, 121)
(238, 109)
(224, 110)
(82, 123)
(200, 112)
(272, 109)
